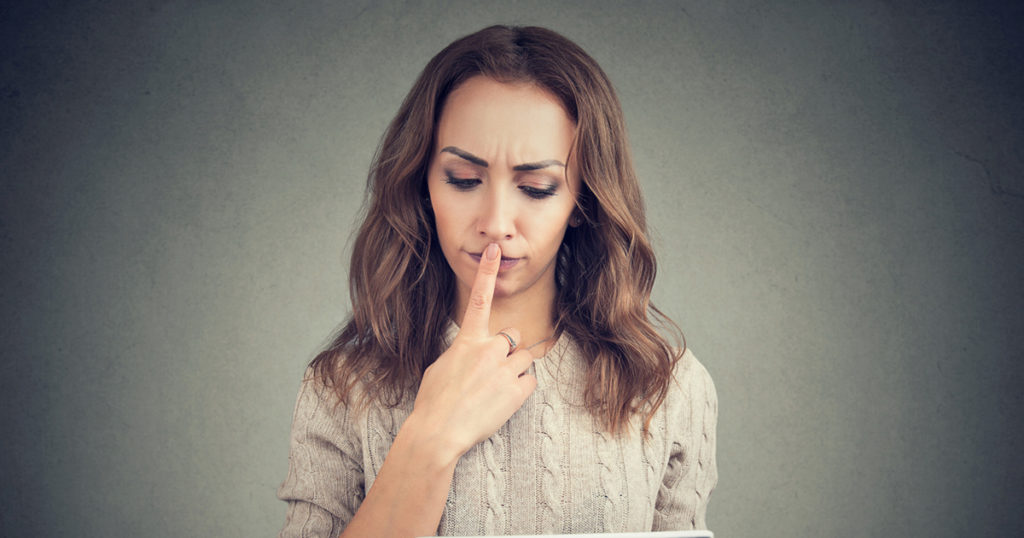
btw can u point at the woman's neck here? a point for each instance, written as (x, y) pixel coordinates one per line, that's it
(535, 325)
(531, 314)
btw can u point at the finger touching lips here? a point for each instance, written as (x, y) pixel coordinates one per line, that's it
(478, 312)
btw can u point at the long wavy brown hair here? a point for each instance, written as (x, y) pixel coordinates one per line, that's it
(401, 286)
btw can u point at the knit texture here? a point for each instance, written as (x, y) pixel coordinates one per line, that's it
(550, 469)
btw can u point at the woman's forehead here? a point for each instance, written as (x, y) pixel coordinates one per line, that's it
(518, 121)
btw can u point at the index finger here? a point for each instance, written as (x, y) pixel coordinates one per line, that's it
(476, 320)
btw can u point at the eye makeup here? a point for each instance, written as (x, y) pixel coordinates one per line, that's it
(462, 184)
(467, 184)
(538, 193)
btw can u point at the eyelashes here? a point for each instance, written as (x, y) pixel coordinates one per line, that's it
(538, 194)
(468, 184)
(462, 184)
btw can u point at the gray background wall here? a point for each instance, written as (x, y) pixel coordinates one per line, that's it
(835, 191)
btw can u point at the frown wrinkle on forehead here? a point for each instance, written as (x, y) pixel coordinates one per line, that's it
(511, 126)
(525, 167)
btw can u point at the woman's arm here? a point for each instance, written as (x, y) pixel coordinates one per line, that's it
(409, 492)
(692, 471)
(325, 483)
(465, 396)
(324, 486)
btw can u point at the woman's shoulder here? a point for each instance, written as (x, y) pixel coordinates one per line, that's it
(319, 399)
(690, 370)
(692, 385)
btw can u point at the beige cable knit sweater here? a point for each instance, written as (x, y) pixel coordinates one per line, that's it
(549, 469)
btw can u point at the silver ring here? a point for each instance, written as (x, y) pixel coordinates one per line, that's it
(511, 342)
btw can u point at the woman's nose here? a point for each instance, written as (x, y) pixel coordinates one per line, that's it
(497, 219)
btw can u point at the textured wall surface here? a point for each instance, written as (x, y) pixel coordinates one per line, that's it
(835, 189)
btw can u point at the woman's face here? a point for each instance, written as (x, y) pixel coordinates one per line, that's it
(500, 173)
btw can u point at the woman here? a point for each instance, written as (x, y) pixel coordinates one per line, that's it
(502, 198)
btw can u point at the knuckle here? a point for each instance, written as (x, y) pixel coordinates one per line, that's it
(500, 344)
(478, 301)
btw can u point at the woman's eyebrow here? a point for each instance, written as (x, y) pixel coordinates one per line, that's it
(525, 167)
(537, 165)
(465, 155)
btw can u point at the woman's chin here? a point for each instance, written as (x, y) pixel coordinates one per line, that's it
(503, 290)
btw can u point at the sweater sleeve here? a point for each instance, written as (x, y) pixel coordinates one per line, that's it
(324, 486)
(692, 471)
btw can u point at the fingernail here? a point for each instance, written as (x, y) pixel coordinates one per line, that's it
(492, 251)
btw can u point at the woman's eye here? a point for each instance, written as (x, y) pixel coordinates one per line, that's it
(538, 193)
(462, 184)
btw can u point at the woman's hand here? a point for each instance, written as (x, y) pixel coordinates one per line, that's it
(465, 396)
(476, 385)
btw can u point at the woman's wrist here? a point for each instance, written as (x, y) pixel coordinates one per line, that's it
(427, 443)
(409, 493)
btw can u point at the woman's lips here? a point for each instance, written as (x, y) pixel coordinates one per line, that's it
(506, 263)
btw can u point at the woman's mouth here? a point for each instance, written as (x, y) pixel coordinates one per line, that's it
(506, 263)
